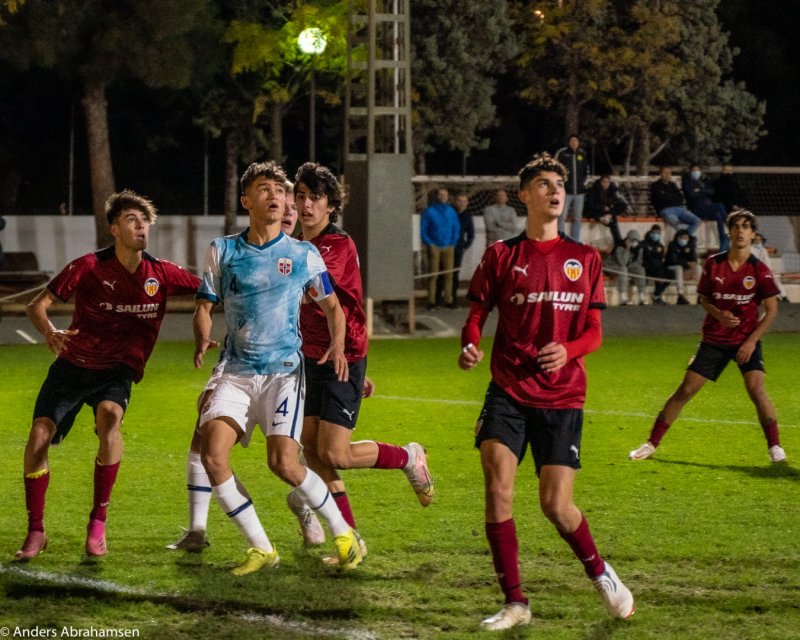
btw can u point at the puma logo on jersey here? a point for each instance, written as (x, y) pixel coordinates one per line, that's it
(720, 280)
(110, 285)
(324, 247)
(349, 414)
(522, 270)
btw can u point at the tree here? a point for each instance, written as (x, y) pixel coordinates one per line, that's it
(454, 76)
(100, 43)
(652, 74)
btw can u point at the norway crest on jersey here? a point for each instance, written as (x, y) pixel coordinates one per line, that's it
(284, 266)
(573, 269)
(151, 286)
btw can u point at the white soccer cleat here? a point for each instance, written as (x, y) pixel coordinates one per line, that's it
(511, 615)
(643, 452)
(417, 472)
(777, 454)
(313, 533)
(617, 598)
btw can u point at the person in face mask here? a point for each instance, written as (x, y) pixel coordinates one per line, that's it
(626, 261)
(653, 255)
(682, 261)
(698, 195)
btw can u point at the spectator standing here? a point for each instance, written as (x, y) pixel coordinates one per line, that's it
(682, 261)
(574, 158)
(669, 203)
(626, 260)
(728, 191)
(653, 257)
(698, 196)
(499, 218)
(466, 237)
(439, 230)
(604, 203)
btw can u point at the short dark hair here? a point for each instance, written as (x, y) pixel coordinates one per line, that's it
(737, 214)
(321, 182)
(127, 199)
(541, 162)
(270, 170)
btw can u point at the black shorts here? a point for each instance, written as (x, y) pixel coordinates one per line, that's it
(67, 388)
(330, 400)
(711, 359)
(554, 434)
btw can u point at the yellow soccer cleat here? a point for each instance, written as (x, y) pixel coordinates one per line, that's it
(256, 559)
(349, 550)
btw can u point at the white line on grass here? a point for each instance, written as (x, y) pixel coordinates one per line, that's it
(626, 414)
(112, 587)
(25, 336)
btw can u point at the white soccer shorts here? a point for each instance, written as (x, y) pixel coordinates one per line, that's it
(273, 401)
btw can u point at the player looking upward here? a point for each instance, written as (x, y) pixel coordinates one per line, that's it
(261, 275)
(120, 295)
(548, 290)
(198, 485)
(332, 405)
(732, 289)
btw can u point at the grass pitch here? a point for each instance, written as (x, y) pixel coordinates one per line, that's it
(705, 533)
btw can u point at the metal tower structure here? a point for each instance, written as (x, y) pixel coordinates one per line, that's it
(378, 149)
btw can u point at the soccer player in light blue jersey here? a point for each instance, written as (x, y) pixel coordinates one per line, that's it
(261, 275)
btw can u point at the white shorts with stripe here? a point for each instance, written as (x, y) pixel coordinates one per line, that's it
(273, 401)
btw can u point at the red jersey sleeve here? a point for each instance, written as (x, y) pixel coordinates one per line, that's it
(63, 286)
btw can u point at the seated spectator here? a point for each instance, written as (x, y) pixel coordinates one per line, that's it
(727, 190)
(669, 203)
(682, 261)
(653, 255)
(626, 260)
(760, 251)
(604, 203)
(500, 218)
(698, 197)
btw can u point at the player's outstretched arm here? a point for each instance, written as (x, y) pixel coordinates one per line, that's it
(201, 325)
(336, 327)
(37, 314)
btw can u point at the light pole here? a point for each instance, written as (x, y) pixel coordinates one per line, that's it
(312, 42)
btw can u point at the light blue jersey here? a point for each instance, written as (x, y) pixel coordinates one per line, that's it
(261, 288)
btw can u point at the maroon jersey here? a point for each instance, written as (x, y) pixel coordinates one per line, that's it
(117, 314)
(739, 292)
(341, 259)
(543, 292)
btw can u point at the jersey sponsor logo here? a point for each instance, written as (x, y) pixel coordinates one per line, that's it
(749, 282)
(518, 298)
(573, 269)
(738, 298)
(562, 300)
(284, 266)
(106, 306)
(522, 270)
(151, 286)
(110, 285)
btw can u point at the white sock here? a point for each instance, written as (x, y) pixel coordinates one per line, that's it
(315, 494)
(239, 507)
(199, 489)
